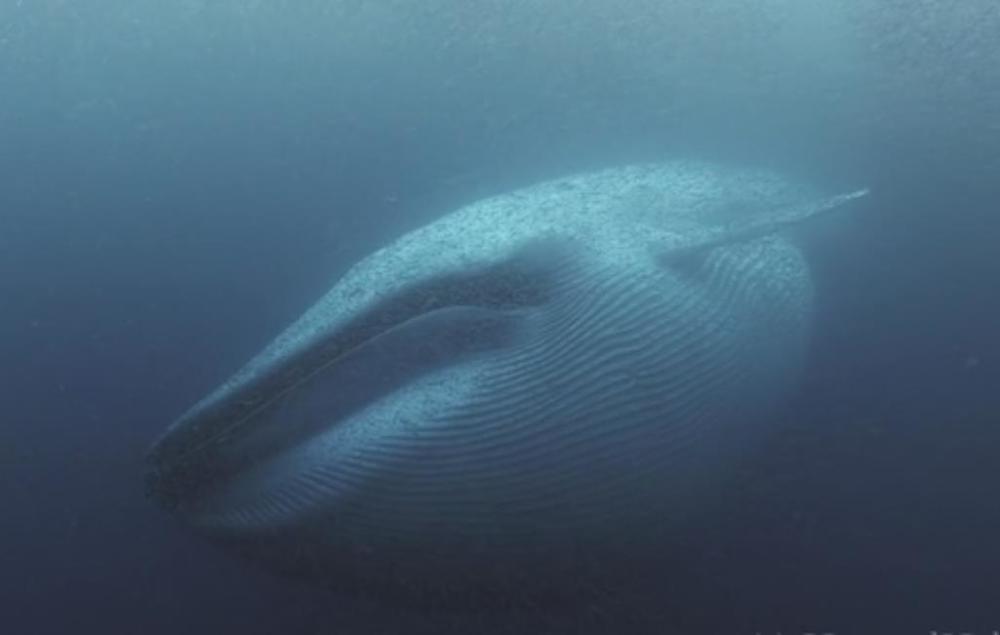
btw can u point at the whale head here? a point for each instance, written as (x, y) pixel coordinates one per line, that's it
(513, 397)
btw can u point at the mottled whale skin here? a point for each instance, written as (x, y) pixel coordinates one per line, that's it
(525, 397)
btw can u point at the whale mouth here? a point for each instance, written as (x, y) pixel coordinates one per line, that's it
(425, 326)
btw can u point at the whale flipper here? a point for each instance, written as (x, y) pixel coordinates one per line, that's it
(689, 257)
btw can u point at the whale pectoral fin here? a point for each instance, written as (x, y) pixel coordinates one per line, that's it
(688, 258)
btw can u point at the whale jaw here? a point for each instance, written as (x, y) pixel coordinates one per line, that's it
(426, 326)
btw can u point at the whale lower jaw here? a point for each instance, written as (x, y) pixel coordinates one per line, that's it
(428, 325)
(596, 428)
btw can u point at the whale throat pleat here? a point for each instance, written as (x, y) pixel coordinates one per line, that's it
(623, 410)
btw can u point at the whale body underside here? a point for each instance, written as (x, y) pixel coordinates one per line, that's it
(525, 397)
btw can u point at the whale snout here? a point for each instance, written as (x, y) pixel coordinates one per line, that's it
(427, 325)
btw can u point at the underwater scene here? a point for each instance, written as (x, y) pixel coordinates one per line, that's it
(652, 317)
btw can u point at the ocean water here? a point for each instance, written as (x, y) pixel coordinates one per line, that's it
(179, 180)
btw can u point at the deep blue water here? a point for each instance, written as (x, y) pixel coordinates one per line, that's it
(180, 180)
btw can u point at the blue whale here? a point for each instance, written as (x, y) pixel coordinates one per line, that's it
(526, 398)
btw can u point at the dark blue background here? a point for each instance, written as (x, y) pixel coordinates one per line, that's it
(179, 180)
